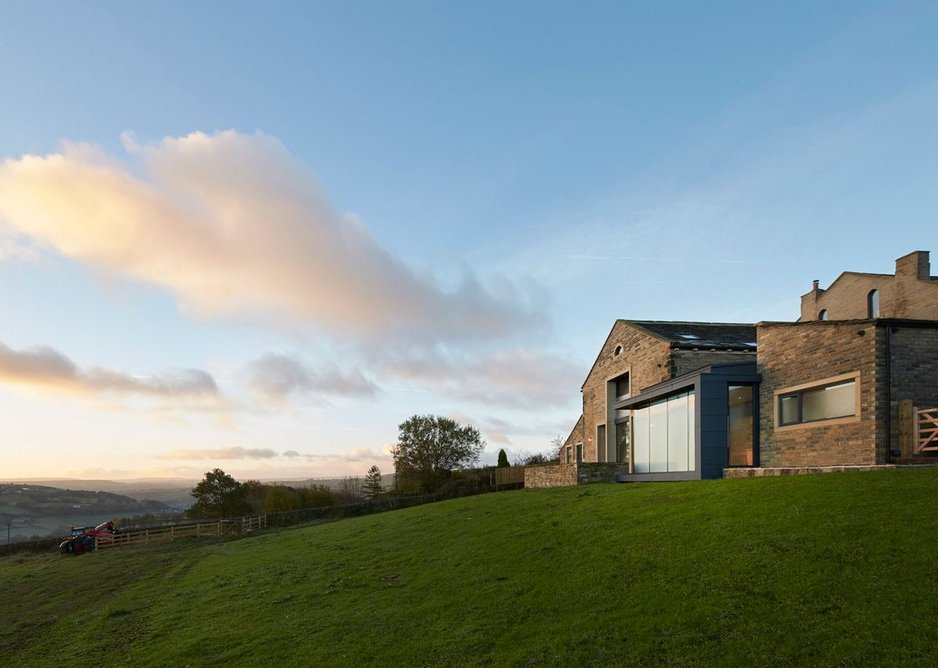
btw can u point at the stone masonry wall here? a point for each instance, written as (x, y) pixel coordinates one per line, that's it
(564, 475)
(644, 357)
(589, 472)
(913, 369)
(910, 293)
(575, 437)
(792, 354)
(550, 475)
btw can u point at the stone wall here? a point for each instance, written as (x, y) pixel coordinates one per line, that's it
(575, 438)
(564, 475)
(793, 354)
(550, 475)
(910, 293)
(912, 370)
(589, 472)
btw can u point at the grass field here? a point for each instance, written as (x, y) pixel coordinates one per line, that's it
(838, 569)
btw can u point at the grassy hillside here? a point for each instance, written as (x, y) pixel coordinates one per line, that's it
(819, 570)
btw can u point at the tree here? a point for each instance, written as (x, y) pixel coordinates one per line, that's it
(503, 459)
(528, 459)
(429, 447)
(372, 486)
(348, 491)
(556, 443)
(219, 495)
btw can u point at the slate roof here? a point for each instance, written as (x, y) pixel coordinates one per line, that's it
(701, 335)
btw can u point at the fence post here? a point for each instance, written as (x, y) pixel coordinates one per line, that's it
(907, 425)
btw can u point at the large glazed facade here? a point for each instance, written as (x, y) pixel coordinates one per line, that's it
(679, 400)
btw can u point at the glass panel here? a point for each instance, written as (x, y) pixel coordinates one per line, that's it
(789, 410)
(740, 436)
(691, 433)
(873, 300)
(640, 425)
(622, 441)
(658, 437)
(677, 433)
(829, 402)
(622, 387)
(601, 443)
(579, 453)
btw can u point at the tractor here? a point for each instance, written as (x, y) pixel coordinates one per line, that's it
(82, 539)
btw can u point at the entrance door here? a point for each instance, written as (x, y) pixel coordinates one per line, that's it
(741, 428)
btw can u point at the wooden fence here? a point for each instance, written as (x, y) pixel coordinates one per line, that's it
(236, 526)
(509, 476)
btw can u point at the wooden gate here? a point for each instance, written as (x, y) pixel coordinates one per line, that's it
(926, 430)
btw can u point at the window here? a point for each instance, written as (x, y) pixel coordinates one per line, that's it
(622, 387)
(601, 442)
(622, 440)
(579, 453)
(617, 351)
(663, 437)
(822, 315)
(872, 304)
(824, 402)
(569, 454)
(741, 436)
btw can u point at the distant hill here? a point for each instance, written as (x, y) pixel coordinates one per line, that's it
(173, 492)
(824, 570)
(39, 510)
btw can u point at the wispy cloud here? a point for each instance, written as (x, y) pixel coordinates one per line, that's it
(233, 225)
(236, 452)
(49, 369)
(529, 378)
(278, 377)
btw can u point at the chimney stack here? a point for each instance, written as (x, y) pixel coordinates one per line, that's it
(815, 285)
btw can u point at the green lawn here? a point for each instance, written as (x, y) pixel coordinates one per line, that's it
(836, 569)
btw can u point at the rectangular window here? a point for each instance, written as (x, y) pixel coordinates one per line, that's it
(741, 435)
(601, 443)
(824, 402)
(622, 440)
(569, 453)
(579, 453)
(622, 387)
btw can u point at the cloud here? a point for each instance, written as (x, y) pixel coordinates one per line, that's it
(499, 431)
(234, 226)
(354, 455)
(221, 453)
(47, 368)
(278, 377)
(531, 378)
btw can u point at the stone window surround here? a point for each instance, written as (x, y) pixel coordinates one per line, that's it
(833, 380)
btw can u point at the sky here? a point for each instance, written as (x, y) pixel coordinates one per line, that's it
(259, 236)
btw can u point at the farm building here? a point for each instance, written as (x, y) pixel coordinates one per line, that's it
(852, 383)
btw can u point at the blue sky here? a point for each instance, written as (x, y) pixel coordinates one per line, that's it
(260, 235)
